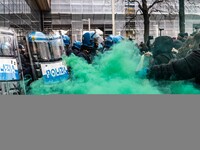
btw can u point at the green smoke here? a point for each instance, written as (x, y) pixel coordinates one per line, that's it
(111, 73)
(177, 87)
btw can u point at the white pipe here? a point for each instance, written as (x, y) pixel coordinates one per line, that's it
(89, 24)
(81, 34)
(113, 17)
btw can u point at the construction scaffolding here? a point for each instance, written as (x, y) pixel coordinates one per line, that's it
(73, 15)
(22, 15)
(130, 19)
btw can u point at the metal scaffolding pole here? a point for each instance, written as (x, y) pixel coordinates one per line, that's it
(89, 24)
(113, 17)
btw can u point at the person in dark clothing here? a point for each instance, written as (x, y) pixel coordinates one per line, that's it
(90, 43)
(182, 37)
(66, 41)
(86, 55)
(26, 66)
(68, 51)
(143, 48)
(181, 69)
(162, 50)
(185, 37)
(177, 44)
(25, 61)
(76, 47)
(186, 47)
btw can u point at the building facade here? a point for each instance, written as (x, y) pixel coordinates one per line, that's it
(77, 15)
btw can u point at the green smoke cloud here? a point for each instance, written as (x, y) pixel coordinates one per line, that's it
(111, 73)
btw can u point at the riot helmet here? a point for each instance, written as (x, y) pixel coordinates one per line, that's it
(91, 40)
(77, 45)
(66, 40)
(117, 39)
(109, 41)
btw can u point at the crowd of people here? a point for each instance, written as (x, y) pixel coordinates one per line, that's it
(174, 59)
(91, 45)
(170, 58)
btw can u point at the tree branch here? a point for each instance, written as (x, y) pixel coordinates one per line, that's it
(155, 2)
(139, 5)
(156, 10)
(191, 2)
(139, 11)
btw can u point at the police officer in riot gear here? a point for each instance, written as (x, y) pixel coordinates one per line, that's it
(66, 40)
(90, 44)
(111, 40)
(26, 66)
(76, 47)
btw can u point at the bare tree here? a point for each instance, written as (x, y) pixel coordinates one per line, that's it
(147, 7)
